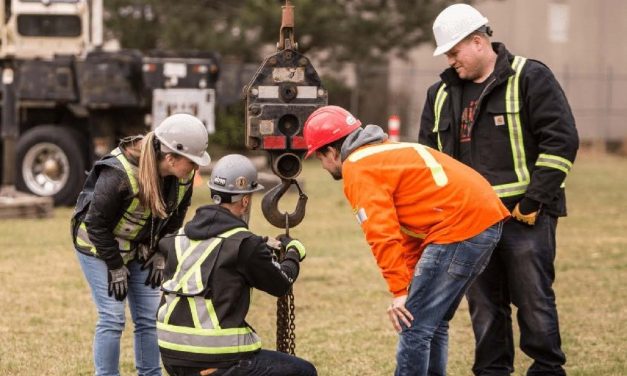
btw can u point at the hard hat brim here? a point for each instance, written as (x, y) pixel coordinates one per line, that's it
(441, 50)
(203, 160)
(216, 188)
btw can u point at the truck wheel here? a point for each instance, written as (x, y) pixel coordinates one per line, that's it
(51, 162)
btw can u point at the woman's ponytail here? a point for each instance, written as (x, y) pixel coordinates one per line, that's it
(149, 179)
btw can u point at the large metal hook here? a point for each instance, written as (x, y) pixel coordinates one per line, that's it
(270, 205)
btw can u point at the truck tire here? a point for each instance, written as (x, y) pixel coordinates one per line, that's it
(51, 162)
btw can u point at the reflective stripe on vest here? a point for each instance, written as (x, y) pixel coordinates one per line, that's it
(135, 216)
(82, 240)
(512, 108)
(206, 336)
(412, 234)
(190, 256)
(437, 171)
(440, 97)
(207, 341)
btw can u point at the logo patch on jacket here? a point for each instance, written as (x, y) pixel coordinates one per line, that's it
(361, 216)
(499, 120)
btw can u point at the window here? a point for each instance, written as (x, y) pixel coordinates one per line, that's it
(37, 25)
(559, 20)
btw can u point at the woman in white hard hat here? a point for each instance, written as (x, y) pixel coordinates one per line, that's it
(133, 196)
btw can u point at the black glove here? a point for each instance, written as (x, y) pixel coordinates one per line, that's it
(156, 263)
(118, 282)
(293, 245)
(526, 211)
(528, 205)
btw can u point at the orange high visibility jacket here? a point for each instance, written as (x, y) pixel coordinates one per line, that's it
(406, 196)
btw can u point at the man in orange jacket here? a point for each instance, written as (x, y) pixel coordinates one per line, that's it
(431, 222)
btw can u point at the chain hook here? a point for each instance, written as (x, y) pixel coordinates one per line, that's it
(270, 206)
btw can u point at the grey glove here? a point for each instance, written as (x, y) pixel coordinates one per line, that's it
(293, 245)
(273, 244)
(118, 283)
(156, 263)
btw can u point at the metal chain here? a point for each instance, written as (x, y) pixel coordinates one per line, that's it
(292, 323)
(285, 320)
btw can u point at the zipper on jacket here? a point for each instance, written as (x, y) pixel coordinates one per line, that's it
(479, 100)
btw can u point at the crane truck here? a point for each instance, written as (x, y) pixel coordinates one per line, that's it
(67, 99)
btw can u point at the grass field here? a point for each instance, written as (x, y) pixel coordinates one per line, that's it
(47, 317)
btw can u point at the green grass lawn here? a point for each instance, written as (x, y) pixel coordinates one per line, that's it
(47, 318)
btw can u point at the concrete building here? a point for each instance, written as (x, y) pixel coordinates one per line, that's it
(582, 41)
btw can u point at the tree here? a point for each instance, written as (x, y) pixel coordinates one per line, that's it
(363, 32)
(338, 30)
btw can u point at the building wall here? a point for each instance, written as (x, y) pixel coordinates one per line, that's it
(582, 41)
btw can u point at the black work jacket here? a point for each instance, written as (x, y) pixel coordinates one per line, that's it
(547, 129)
(239, 266)
(105, 197)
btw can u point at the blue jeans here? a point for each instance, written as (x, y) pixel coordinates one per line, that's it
(520, 272)
(143, 302)
(442, 276)
(265, 362)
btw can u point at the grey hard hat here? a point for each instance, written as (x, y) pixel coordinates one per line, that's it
(234, 174)
(185, 135)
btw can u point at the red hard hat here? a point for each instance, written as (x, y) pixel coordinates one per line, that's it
(327, 124)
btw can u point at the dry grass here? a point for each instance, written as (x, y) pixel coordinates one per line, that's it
(48, 318)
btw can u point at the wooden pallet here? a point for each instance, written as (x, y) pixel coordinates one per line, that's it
(15, 204)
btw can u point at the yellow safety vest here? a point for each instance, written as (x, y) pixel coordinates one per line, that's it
(135, 216)
(188, 285)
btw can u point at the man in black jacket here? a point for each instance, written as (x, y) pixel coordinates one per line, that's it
(212, 264)
(507, 117)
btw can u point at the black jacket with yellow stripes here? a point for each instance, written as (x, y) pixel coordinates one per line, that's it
(523, 138)
(231, 279)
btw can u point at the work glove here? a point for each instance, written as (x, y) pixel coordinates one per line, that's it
(118, 282)
(273, 244)
(293, 245)
(526, 211)
(156, 263)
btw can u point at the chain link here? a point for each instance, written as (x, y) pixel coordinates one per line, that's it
(292, 324)
(285, 320)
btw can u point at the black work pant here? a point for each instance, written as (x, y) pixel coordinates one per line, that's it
(265, 362)
(520, 272)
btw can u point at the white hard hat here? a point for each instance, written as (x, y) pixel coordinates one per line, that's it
(455, 23)
(185, 135)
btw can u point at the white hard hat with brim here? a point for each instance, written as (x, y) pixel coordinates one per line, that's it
(454, 24)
